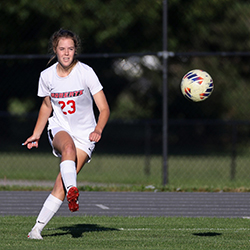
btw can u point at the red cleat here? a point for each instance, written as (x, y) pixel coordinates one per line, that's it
(72, 197)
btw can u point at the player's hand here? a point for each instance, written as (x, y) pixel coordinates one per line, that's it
(31, 142)
(95, 136)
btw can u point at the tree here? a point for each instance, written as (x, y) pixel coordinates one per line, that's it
(104, 26)
(133, 26)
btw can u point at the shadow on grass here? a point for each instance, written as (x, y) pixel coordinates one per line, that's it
(77, 230)
(207, 234)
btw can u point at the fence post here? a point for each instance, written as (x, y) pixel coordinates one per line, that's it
(147, 148)
(233, 159)
(165, 93)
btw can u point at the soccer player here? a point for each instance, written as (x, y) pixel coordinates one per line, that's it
(68, 89)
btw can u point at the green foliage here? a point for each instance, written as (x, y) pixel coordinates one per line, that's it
(104, 25)
(208, 25)
(136, 26)
(126, 26)
(19, 107)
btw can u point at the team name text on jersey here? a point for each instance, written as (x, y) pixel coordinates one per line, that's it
(67, 94)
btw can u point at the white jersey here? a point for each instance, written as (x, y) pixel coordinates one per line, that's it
(71, 99)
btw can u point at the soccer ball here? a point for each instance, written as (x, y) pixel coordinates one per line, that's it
(197, 85)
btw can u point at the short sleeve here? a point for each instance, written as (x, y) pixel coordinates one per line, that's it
(93, 82)
(43, 89)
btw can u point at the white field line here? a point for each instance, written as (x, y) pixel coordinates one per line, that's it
(209, 229)
(134, 229)
(172, 229)
(102, 206)
(185, 229)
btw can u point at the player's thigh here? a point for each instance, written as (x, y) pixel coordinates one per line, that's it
(82, 158)
(61, 140)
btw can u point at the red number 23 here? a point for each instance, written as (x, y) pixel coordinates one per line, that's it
(71, 104)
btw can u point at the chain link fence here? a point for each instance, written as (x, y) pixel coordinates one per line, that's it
(208, 143)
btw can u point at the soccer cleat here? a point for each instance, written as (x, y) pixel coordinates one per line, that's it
(72, 197)
(35, 234)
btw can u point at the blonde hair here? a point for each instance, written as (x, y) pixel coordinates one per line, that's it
(62, 33)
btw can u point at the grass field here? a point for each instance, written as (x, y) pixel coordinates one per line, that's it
(199, 173)
(193, 172)
(127, 233)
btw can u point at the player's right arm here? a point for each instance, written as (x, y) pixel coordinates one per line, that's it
(43, 116)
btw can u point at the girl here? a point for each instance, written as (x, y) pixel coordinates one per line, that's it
(68, 88)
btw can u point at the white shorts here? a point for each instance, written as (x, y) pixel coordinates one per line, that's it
(87, 147)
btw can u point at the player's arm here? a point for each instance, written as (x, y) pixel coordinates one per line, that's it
(43, 116)
(103, 107)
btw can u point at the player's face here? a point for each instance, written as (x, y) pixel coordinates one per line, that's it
(65, 51)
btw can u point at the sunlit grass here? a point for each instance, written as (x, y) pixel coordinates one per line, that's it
(156, 233)
(183, 171)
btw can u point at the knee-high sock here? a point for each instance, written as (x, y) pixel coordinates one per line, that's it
(68, 172)
(50, 207)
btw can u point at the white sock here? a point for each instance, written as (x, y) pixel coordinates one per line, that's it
(50, 207)
(68, 172)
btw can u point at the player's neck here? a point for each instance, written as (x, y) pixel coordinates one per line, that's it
(63, 71)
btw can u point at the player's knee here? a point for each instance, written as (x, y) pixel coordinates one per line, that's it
(69, 150)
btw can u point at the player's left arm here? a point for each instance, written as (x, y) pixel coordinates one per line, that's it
(104, 112)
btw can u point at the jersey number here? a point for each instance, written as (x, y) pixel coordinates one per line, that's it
(71, 104)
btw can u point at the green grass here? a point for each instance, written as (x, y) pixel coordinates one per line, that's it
(127, 233)
(184, 172)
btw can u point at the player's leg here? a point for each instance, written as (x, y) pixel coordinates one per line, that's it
(55, 199)
(58, 189)
(50, 207)
(64, 144)
(82, 158)
(73, 193)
